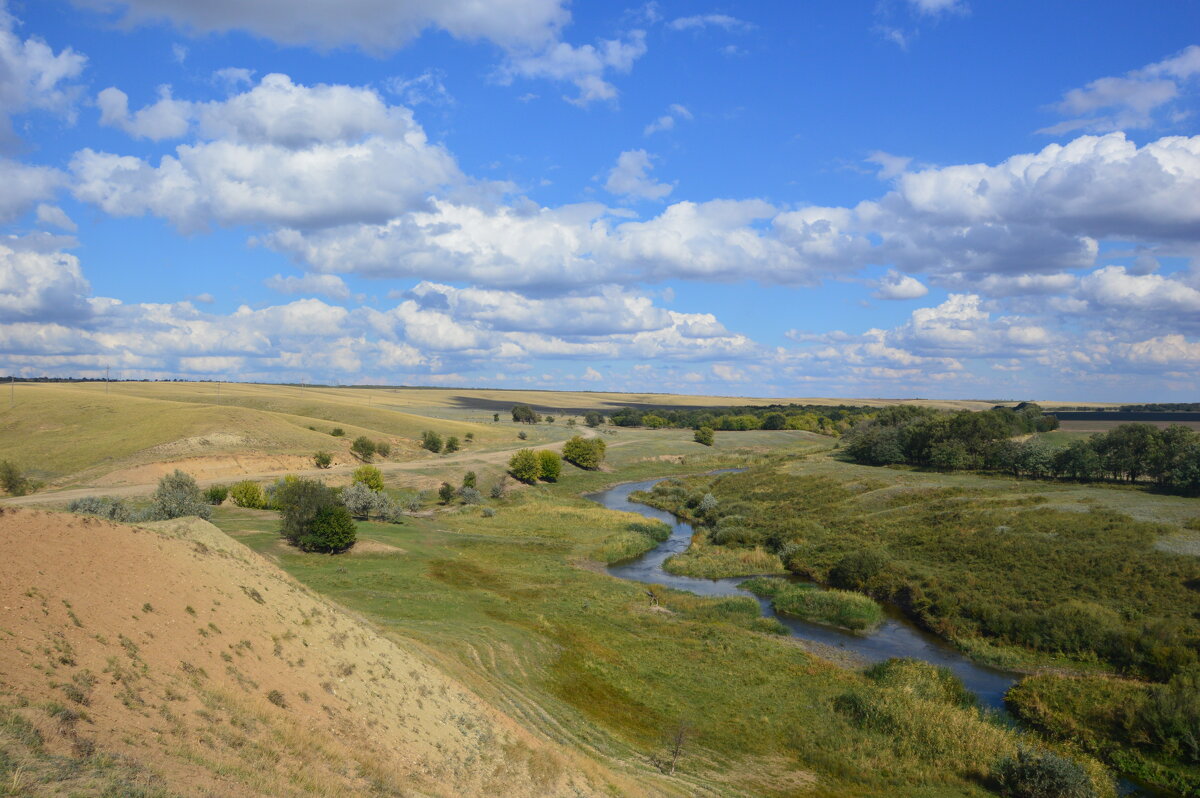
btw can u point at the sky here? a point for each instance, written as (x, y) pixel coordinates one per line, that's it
(875, 198)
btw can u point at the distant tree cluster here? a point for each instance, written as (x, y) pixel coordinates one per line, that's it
(821, 419)
(985, 441)
(524, 414)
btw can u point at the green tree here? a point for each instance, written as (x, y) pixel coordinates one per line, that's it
(774, 421)
(446, 493)
(333, 531)
(323, 459)
(177, 496)
(248, 494)
(370, 476)
(470, 480)
(525, 466)
(363, 448)
(593, 419)
(550, 465)
(525, 414)
(299, 501)
(586, 453)
(431, 440)
(495, 416)
(14, 482)
(452, 445)
(704, 435)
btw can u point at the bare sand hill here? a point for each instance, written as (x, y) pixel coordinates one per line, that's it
(170, 659)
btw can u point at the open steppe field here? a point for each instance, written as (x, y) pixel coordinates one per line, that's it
(128, 433)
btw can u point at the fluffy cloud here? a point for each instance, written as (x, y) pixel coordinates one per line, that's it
(40, 286)
(894, 285)
(377, 26)
(24, 186)
(33, 76)
(584, 66)
(667, 120)
(630, 178)
(1130, 101)
(279, 154)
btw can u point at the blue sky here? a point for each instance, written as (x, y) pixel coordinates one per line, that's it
(938, 198)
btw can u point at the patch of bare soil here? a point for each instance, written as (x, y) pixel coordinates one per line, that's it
(375, 547)
(208, 468)
(177, 648)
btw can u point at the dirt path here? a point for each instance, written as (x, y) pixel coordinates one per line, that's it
(145, 489)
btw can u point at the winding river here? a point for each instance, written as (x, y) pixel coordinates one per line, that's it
(896, 637)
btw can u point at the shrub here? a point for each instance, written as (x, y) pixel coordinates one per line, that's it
(103, 507)
(470, 495)
(323, 459)
(446, 493)
(216, 494)
(704, 435)
(549, 419)
(248, 494)
(470, 480)
(856, 569)
(593, 419)
(1170, 718)
(523, 435)
(370, 476)
(489, 512)
(1042, 774)
(337, 432)
(414, 504)
(383, 448)
(177, 496)
(525, 466)
(299, 501)
(452, 444)
(499, 488)
(586, 453)
(922, 679)
(431, 440)
(332, 531)
(550, 465)
(12, 480)
(708, 505)
(363, 448)
(360, 500)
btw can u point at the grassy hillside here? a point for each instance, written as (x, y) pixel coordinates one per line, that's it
(77, 432)
(205, 671)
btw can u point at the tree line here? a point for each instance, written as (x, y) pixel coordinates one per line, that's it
(984, 441)
(826, 420)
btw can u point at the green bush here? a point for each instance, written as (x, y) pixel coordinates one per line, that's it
(332, 531)
(1170, 717)
(216, 494)
(452, 445)
(383, 448)
(248, 494)
(586, 453)
(370, 476)
(921, 679)
(431, 441)
(470, 480)
(857, 568)
(470, 495)
(524, 414)
(12, 480)
(1042, 774)
(550, 465)
(525, 466)
(363, 448)
(446, 493)
(299, 501)
(177, 496)
(705, 436)
(337, 432)
(323, 459)
(842, 608)
(103, 507)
